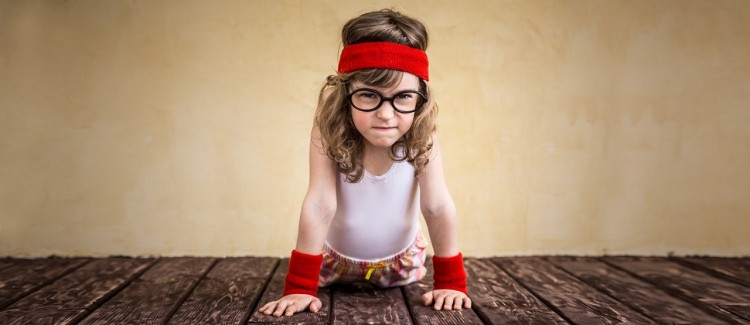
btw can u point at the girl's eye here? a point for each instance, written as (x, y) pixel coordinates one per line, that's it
(406, 96)
(367, 95)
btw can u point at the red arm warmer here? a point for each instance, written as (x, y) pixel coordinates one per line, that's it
(302, 277)
(449, 273)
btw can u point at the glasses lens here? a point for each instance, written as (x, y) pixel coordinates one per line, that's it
(406, 101)
(365, 99)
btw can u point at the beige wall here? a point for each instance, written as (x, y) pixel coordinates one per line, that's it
(171, 128)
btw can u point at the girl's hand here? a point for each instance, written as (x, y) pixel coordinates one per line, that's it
(290, 304)
(446, 299)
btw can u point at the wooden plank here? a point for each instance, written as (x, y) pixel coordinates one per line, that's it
(498, 299)
(25, 276)
(6, 262)
(366, 305)
(422, 314)
(728, 300)
(228, 293)
(152, 297)
(578, 302)
(274, 291)
(70, 297)
(729, 268)
(639, 295)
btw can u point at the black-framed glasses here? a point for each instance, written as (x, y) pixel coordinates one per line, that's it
(369, 100)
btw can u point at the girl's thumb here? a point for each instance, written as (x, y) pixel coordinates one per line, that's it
(315, 305)
(427, 298)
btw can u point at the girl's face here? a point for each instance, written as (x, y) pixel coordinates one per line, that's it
(384, 126)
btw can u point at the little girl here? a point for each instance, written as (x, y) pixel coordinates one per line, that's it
(374, 161)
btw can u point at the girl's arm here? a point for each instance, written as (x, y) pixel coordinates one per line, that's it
(440, 215)
(437, 205)
(319, 204)
(318, 209)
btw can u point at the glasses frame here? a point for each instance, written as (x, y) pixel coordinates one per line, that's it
(420, 101)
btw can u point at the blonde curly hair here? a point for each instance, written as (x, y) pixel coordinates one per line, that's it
(333, 118)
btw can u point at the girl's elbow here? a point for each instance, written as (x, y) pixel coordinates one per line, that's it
(441, 211)
(323, 209)
(327, 210)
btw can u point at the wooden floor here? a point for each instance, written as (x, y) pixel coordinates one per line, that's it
(540, 290)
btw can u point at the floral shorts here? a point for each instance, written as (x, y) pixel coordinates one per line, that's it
(401, 269)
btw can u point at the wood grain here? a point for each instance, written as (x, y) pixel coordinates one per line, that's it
(732, 269)
(274, 291)
(228, 292)
(28, 275)
(577, 301)
(70, 297)
(639, 295)
(366, 305)
(6, 262)
(422, 314)
(151, 298)
(726, 299)
(499, 299)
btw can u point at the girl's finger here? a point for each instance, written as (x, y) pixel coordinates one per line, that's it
(280, 308)
(448, 303)
(290, 310)
(467, 302)
(268, 308)
(439, 302)
(457, 303)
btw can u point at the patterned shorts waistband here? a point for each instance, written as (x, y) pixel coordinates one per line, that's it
(365, 264)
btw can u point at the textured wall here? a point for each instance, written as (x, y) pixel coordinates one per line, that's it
(581, 127)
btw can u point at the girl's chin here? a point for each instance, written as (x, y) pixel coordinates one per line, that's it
(380, 143)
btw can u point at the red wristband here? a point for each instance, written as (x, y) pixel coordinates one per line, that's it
(302, 277)
(449, 273)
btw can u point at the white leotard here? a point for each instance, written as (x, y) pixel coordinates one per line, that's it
(376, 217)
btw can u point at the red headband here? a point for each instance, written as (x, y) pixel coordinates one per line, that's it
(384, 55)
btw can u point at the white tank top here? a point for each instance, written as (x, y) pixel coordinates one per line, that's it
(376, 217)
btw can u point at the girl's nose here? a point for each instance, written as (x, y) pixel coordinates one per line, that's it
(385, 111)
